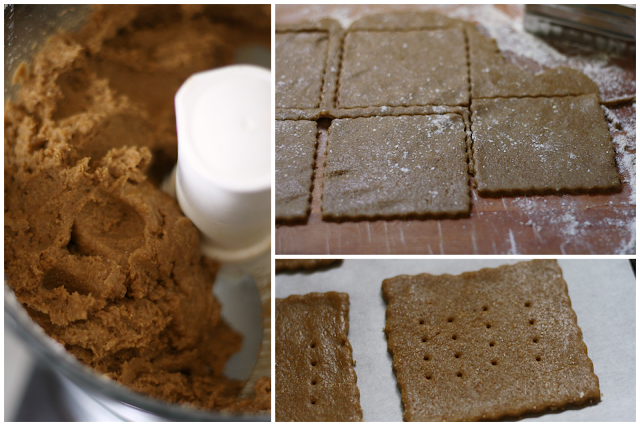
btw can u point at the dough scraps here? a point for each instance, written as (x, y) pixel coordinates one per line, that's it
(542, 145)
(97, 254)
(370, 159)
(403, 68)
(315, 378)
(487, 345)
(295, 159)
(491, 77)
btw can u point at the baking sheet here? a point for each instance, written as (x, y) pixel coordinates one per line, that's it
(602, 292)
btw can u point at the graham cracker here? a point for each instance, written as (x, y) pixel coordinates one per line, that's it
(286, 265)
(542, 145)
(391, 167)
(487, 345)
(315, 378)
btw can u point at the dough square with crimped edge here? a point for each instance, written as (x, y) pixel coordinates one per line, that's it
(315, 378)
(391, 167)
(403, 68)
(487, 345)
(295, 158)
(288, 265)
(542, 145)
(300, 62)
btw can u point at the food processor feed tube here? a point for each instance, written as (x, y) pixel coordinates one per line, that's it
(223, 176)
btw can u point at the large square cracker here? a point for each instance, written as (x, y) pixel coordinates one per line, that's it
(295, 158)
(404, 68)
(388, 167)
(315, 379)
(542, 145)
(300, 62)
(487, 345)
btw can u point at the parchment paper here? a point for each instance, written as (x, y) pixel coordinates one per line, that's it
(602, 292)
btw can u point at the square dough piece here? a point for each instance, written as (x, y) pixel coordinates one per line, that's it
(300, 62)
(315, 379)
(295, 158)
(404, 68)
(308, 263)
(389, 167)
(487, 345)
(542, 145)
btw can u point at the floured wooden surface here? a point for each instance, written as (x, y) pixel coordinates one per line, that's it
(568, 224)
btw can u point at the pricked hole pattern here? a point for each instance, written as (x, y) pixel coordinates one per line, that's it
(494, 362)
(314, 363)
(314, 382)
(313, 345)
(313, 401)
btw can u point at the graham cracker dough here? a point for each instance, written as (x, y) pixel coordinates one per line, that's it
(542, 145)
(403, 68)
(491, 77)
(300, 61)
(295, 158)
(401, 63)
(393, 167)
(96, 253)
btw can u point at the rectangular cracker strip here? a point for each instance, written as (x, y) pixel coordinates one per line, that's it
(309, 263)
(315, 378)
(487, 345)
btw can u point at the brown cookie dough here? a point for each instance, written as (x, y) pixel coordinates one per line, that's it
(97, 254)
